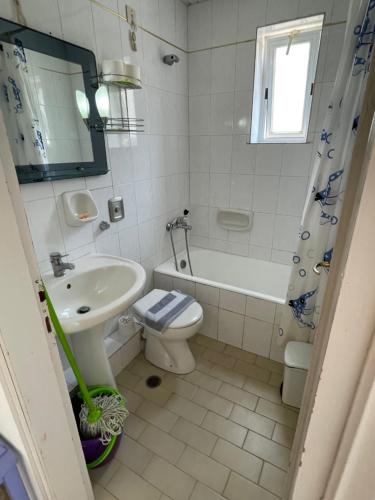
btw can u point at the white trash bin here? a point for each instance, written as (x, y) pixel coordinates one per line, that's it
(296, 364)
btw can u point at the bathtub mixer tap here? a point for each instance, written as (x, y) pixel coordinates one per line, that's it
(180, 222)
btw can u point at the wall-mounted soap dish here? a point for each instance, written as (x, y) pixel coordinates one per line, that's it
(234, 220)
(79, 207)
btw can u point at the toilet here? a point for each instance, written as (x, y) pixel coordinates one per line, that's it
(170, 350)
(296, 364)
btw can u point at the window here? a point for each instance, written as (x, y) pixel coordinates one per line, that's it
(285, 67)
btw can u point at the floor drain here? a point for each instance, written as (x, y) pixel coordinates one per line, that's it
(153, 381)
(83, 309)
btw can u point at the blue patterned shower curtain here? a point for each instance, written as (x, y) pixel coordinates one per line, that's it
(323, 205)
(20, 107)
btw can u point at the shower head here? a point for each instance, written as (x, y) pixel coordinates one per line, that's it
(171, 59)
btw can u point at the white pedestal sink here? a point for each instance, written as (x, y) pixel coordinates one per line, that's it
(99, 288)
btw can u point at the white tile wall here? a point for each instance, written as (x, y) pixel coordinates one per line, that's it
(197, 117)
(273, 178)
(245, 322)
(150, 171)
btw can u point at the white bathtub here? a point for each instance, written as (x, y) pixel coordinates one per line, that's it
(242, 298)
(257, 278)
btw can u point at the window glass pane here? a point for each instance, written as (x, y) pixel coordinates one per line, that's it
(289, 88)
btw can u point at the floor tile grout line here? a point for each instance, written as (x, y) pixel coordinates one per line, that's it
(239, 473)
(219, 463)
(263, 487)
(140, 476)
(227, 481)
(217, 395)
(240, 372)
(252, 454)
(247, 377)
(217, 436)
(236, 372)
(174, 465)
(222, 382)
(213, 411)
(261, 472)
(253, 363)
(209, 456)
(155, 453)
(192, 491)
(114, 496)
(111, 477)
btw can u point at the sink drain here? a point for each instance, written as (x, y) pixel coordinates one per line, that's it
(83, 309)
(153, 381)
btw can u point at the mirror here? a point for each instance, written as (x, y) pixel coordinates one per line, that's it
(284, 80)
(44, 82)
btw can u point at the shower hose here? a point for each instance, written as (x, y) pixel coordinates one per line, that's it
(187, 251)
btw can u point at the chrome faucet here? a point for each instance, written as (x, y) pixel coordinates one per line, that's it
(59, 267)
(180, 222)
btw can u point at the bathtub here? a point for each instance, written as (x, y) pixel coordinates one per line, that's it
(242, 298)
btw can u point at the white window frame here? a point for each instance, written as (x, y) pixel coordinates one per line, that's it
(269, 38)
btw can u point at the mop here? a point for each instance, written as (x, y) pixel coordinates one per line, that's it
(103, 415)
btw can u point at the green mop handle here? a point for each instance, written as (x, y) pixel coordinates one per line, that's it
(93, 410)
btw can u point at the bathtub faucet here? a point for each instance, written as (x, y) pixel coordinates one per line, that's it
(180, 222)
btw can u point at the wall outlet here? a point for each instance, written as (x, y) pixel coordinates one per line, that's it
(131, 16)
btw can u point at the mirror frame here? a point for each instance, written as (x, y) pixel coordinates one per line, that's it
(55, 47)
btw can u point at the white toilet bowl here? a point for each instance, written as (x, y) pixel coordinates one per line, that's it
(169, 350)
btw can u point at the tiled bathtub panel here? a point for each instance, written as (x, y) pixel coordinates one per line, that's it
(264, 310)
(231, 327)
(163, 281)
(277, 352)
(232, 301)
(257, 336)
(185, 286)
(207, 294)
(210, 323)
(239, 320)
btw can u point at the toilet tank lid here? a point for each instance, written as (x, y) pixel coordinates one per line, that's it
(298, 355)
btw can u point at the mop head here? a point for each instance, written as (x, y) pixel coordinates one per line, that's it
(111, 421)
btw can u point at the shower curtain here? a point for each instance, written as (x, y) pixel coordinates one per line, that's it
(20, 107)
(321, 214)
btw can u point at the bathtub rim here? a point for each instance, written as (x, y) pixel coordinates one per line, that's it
(167, 268)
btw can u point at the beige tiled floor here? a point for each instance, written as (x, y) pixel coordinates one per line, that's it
(219, 433)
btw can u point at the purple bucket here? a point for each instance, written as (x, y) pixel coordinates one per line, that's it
(96, 454)
(93, 449)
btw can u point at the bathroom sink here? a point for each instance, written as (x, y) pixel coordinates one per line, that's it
(97, 290)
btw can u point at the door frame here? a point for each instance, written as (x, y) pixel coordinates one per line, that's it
(31, 373)
(326, 436)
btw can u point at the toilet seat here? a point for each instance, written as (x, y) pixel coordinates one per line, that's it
(191, 315)
(170, 350)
